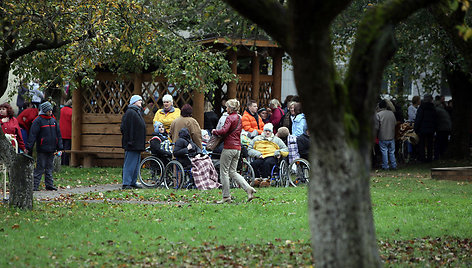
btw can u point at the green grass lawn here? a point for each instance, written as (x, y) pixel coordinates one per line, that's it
(419, 222)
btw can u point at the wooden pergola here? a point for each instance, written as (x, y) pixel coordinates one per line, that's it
(97, 110)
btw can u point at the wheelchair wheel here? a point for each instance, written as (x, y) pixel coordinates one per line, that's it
(283, 173)
(277, 176)
(151, 172)
(247, 171)
(175, 176)
(299, 172)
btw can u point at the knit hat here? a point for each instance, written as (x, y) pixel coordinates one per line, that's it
(282, 132)
(45, 107)
(134, 99)
(156, 125)
(269, 127)
(167, 97)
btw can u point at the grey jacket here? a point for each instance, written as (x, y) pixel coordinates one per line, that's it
(385, 125)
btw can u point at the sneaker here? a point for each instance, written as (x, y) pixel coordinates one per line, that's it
(136, 186)
(126, 187)
(51, 188)
(250, 194)
(224, 200)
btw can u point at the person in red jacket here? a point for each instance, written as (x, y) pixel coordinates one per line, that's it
(251, 121)
(65, 124)
(26, 118)
(10, 124)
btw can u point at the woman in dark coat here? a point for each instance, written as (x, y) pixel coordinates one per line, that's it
(133, 129)
(231, 151)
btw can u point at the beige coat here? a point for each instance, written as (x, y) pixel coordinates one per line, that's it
(193, 128)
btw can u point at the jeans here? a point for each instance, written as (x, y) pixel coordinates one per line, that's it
(131, 167)
(228, 164)
(44, 165)
(387, 148)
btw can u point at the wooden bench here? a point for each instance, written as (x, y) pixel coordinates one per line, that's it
(452, 173)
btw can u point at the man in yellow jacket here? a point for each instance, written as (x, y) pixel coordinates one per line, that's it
(167, 114)
(265, 149)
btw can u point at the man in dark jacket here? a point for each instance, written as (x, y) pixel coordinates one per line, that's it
(425, 126)
(133, 129)
(46, 134)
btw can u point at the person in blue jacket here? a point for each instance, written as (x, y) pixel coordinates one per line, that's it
(46, 134)
(299, 125)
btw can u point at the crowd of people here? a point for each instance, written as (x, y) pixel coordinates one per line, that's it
(429, 119)
(261, 133)
(36, 124)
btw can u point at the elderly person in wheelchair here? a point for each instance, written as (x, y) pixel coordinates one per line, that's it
(265, 149)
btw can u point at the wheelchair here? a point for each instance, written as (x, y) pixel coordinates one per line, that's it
(278, 174)
(151, 172)
(244, 167)
(298, 172)
(176, 177)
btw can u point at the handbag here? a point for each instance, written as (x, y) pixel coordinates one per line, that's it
(213, 143)
(215, 140)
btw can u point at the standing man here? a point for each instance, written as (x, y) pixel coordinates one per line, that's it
(385, 127)
(415, 102)
(46, 133)
(133, 129)
(251, 121)
(425, 127)
(65, 124)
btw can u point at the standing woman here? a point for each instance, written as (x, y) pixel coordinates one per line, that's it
(133, 129)
(299, 125)
(10, 124)
(167, 114)
(277, 114)
(231, 151)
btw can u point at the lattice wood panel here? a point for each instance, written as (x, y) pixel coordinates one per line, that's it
(107, 97)
(265, 93)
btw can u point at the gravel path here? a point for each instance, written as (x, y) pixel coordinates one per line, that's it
(79, 190)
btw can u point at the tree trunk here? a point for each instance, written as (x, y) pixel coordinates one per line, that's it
(4, 74)
(340, 210)
(21, 182)
(461, 91)
(20, 169)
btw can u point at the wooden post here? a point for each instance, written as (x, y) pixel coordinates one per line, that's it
(138, 84)
(233, 58)
(255, 77)
(198, 107)
(77, 112)
(277, 74)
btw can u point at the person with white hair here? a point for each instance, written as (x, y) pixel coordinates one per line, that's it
(167, 114)
(133, 129)
(265, 149)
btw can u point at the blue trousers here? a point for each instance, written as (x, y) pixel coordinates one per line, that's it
(387, 148)
(131, 167)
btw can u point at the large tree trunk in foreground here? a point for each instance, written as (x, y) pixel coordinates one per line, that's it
(461, 91)
(20, 169)
(21, 182)
(339, 116)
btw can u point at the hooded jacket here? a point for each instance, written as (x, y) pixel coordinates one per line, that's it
(46, 133)
(425, 121)
(166, 118)
(181, 152)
